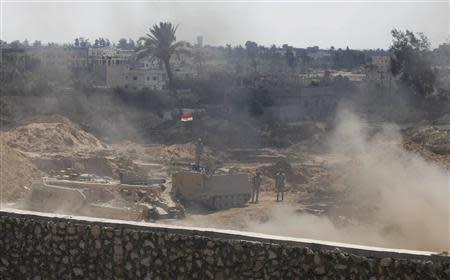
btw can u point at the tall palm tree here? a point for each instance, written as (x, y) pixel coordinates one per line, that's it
(160, 43)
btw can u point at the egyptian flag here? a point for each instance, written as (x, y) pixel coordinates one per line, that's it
(186, 118)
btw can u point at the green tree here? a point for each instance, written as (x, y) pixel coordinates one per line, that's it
(15, 44)
(37, 44)
(251, 49)
(161, 43)
(411, 61)
(258, 100)
(122, 44)
(290, 58)
(442, 54)
(131, 44)
(81, 42)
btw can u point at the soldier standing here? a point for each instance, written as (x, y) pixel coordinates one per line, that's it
(198, 153)
(256, 184)
(279, 185)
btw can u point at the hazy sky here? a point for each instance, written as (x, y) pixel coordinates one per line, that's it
(298, 23)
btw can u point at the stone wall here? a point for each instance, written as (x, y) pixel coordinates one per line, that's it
(57, 247)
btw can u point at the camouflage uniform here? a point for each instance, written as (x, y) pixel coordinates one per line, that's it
(279, 185)
(198, 152)
(256, 184)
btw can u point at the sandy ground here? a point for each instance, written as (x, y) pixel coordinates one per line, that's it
(236, 218)
(317, 183)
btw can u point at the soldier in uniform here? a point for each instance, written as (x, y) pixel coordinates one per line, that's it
(198, 153)
(256, 184)
(279, 185)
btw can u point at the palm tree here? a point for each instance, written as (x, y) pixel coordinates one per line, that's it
(160, 43)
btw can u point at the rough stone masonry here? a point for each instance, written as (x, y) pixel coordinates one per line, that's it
(39, 246)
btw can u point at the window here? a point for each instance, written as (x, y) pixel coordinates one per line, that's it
(135, 78)
(155, 78)
(148, 78)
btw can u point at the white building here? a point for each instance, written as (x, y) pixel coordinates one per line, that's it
(114, 67)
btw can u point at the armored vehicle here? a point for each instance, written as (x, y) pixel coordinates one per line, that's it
(103, 200)
(217, 191)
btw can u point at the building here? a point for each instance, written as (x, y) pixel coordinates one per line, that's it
(379, 70)
(78, 58)
(309, 103)
(109, 64)
(147, 73)
(113, 67)
(183, 67)
(319, 54)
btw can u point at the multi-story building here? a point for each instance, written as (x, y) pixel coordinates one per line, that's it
(112, 67)
(379, 70)
(78, 58)
(109, 56)
(109, 64)
(147, 73)
(119, 68)
(183, 67)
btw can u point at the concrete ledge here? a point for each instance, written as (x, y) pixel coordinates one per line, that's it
(368, 251)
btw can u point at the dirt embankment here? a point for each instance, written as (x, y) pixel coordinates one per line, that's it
(17, 173)
(52, 137)
(41, 145)
(430, 142)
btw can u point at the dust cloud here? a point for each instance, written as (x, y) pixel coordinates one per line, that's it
(394, 198)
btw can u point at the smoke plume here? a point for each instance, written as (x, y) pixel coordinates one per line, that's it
(394, 198)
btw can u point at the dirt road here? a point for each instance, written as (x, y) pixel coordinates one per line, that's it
(236, 218)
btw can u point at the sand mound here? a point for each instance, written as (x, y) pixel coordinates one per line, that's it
(16, 174)
(52, 137)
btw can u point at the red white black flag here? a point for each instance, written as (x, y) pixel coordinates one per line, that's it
(186, 118)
